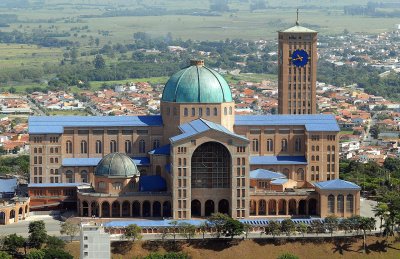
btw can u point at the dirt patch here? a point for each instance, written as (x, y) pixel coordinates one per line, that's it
(351, 248)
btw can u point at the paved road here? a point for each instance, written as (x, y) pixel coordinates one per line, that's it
(21, 228)
(34, 107)
(53, 224)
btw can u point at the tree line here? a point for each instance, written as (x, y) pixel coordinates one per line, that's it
(38, 245)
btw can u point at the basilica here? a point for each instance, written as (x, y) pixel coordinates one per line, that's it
(197, 157)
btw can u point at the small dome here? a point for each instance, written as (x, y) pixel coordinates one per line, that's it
(197, 84)
(116, 165)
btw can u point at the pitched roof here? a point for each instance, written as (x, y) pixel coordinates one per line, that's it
(198, 126)
(298, 29)
(56, 124)
(164, 150)
(337, 184)
(265, 174)
(312, 122)
(278, 160)
(93, 161)
(8, 185)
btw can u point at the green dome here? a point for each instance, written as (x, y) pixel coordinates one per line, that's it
(116, 165)
(197, 84)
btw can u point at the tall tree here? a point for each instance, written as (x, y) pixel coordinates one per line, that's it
(133, 232)
(37, 234)
(70, 229)
(366, 224)
(288, 226)
(233, 227)
(331, 223)
(12, 243)
(99, 62)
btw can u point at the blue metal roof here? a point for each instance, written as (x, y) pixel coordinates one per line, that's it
(265, 174)
(197, 222)
(143, 161)
(164, 150)
(46, 185)
(198, 126)
(150, 223)
(312, 122)
(56, 124)
(78, 161)
(152, 183)
(278, 160)
(8, 185)
(94, 161)
(337, 184)
(279, 181)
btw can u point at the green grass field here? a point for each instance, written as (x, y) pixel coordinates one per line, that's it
(18, 55)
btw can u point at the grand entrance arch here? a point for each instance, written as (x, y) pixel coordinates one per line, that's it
(211, 166)
(209, 208)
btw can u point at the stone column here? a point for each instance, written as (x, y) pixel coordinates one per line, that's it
(277, 208)
(257, 202)
(287, 208)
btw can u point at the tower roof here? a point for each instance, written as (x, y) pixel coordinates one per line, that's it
(298, 29)
(197, 84)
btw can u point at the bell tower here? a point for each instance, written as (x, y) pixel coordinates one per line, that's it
(297, 70)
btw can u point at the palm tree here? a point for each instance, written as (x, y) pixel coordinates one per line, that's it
(366, 224)
(381, 210)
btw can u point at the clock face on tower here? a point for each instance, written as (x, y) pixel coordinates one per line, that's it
(300, 58)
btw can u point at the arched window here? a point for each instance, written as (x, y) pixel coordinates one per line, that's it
(83, 147)
(350, 203)
(142, 146)
(333, 148)
(312, 158)
(331, 204)
(68, 147)
(284, 145)
(208, 111)
(286, 172)
(340, 203)
(230, 110)
(317, 148)
(300, 174)
(185, 112)
(84, 176)
(69, 176)
(255, 145)
(51, 150)
(193, 112)
(215, 111)
(317, 158)
(329, 148)
(184, 162)
(113, 146)
(35, 150)
(200, 112)
(156, 143)
(297, 146)
(225, 111)
(179, 161)
(128, 146)
(313, 148)
(158, 170)
(270, 145)
(99, 148)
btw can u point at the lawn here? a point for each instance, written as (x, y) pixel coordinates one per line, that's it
(258, 249)
(68, 113)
